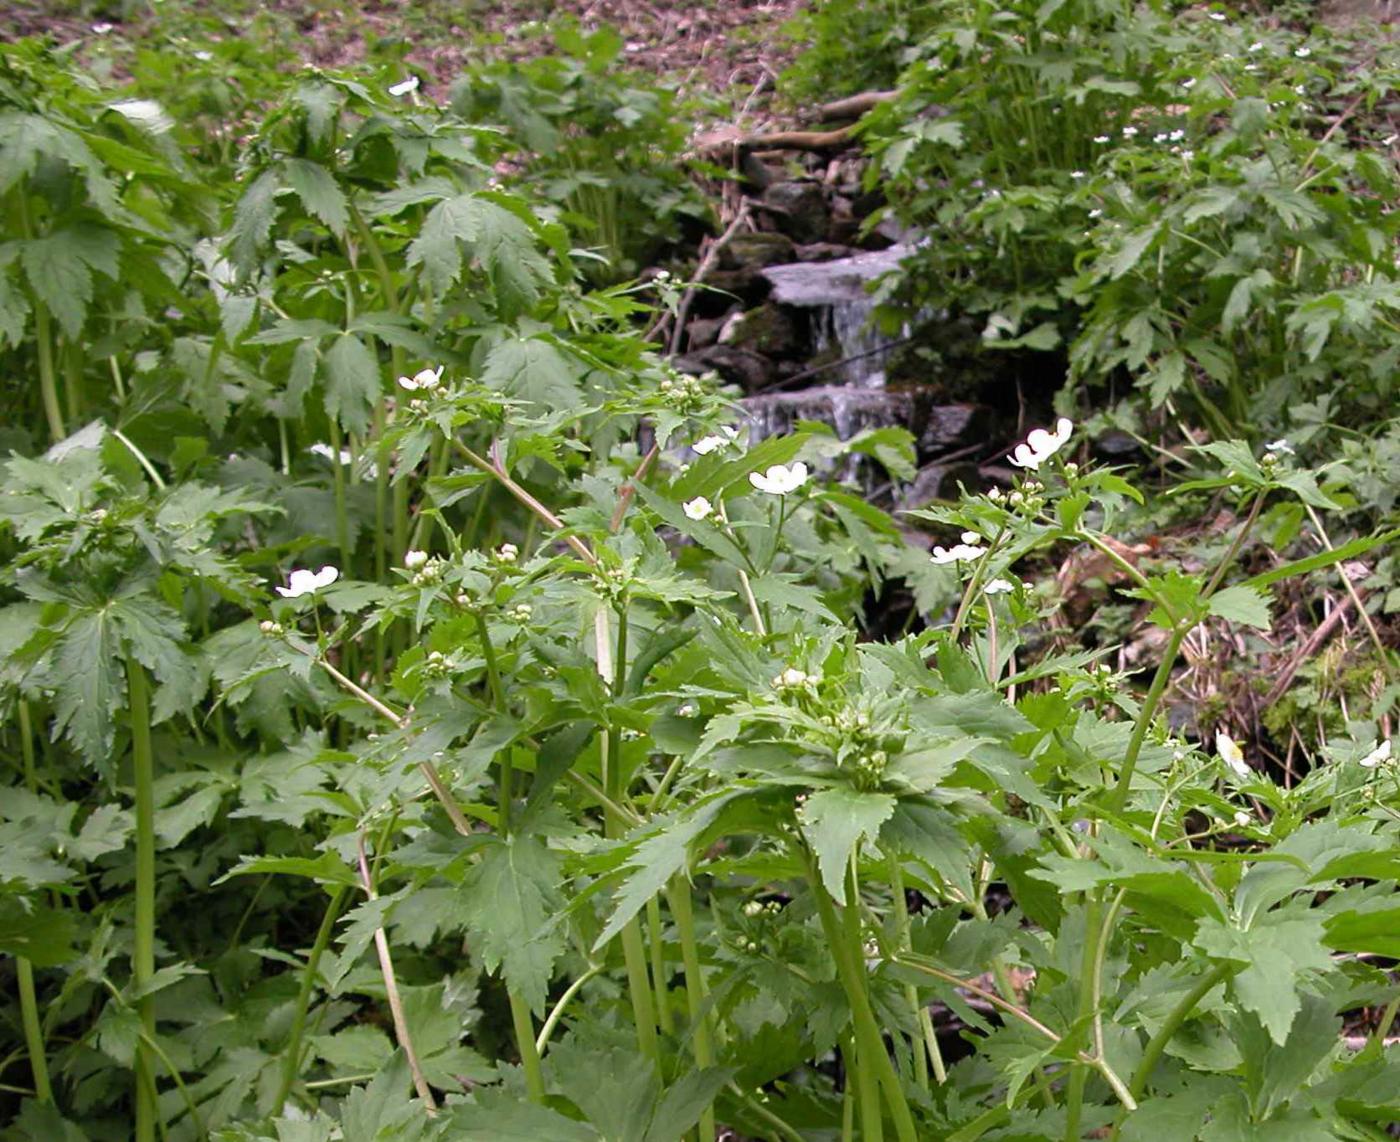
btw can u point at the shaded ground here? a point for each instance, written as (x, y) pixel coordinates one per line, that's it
(730, 49)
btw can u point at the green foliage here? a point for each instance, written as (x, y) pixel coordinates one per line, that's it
(387, 725)
(1164, 196)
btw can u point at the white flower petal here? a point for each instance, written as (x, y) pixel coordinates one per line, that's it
(303, 582)
(698, 508)
(404, 87)
(1377, 756)
(999, 587)
(1231, 754)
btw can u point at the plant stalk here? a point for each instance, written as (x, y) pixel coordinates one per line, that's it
(696, 993)
(143, 957)
(291, 1063)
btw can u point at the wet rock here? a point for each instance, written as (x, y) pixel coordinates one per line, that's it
(939, 481)
(807, 284)
(704, 331)
(726, 287)
(765, 329)
(735, 366)
(824, 252)
(756, 172)
(800, 209)
(945, 427)
(754, 251)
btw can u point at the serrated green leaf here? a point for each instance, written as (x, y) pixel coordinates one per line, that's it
(43, 935)
(1242, 604)
(59, 270)
(501, 1116)
(534, 370)
(319, 193)
(511, 899)
(352, 382)
(835, 821)
(253, 219)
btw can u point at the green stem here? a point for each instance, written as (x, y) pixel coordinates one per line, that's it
(639, 986)
(291, 1062)
(33, 1031)
(1118, 795)
(696, 993)
(525, 1043)
(48, 378)
(342, 516)
(1170, 1026)
(143, 956)
(1079, 1076)
(28, 997)
(849, 953)
(658, 967)
(557, 1013)
(925, 1044)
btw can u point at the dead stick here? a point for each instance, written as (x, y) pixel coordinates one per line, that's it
(706, 264)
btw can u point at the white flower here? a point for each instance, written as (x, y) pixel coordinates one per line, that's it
(1041, 444)
(958, 553)
(414, 559)
(303, 582)
(1160, 138)
(698, 508)
(1302, 53)
(1177, 136)
(102, 29)
(346, 456)
(707, 444)
(1280, 446)
(1096, 213)
(407, 85)
(1129, 132)
(1188, 84)
(1187, 156)
(1218, 17)
(1230, 753)
(423, 379)
(1243, 819)
(780, 480)
(1256, 46)
(1377, 756)
(203, 56)
(999, 587)
(1076, 174)
(1101, 138)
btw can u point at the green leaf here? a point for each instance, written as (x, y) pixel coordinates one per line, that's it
(503, 1116)
(658, 858)
(1279, 953)
(88, 659)
(59, 269)
(502, 241)
(1322, 559)
(253, 219)
(511, 898)
(535, 370)
(45, 935)
(1242, 604)
(1130, 253)
(835, 821)
(324, 869)
(319, 193)
(352, 382)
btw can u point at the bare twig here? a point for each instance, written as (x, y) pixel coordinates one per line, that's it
(741, 217)
(391, 989)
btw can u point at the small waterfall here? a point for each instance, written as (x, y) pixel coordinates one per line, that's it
(841, 309)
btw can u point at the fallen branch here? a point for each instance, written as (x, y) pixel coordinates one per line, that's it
(776, 141)
(852, 107)
(707, 263)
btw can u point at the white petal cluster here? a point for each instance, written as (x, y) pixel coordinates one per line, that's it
(963, 552)
(404, 86)
(1378, 756)
(1231, 754)
(304, 582)
(779, 480)
(707, 444)
(999, 587)
(423, 379)
(1041, 444)
(792, 679)
(698, 508)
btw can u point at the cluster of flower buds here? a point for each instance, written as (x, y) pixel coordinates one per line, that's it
(426, 569)
(756, 908)
(436, 665)
(794, 679)
(685, 394)
(271, 629)
(520, 613)
(506, 553)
